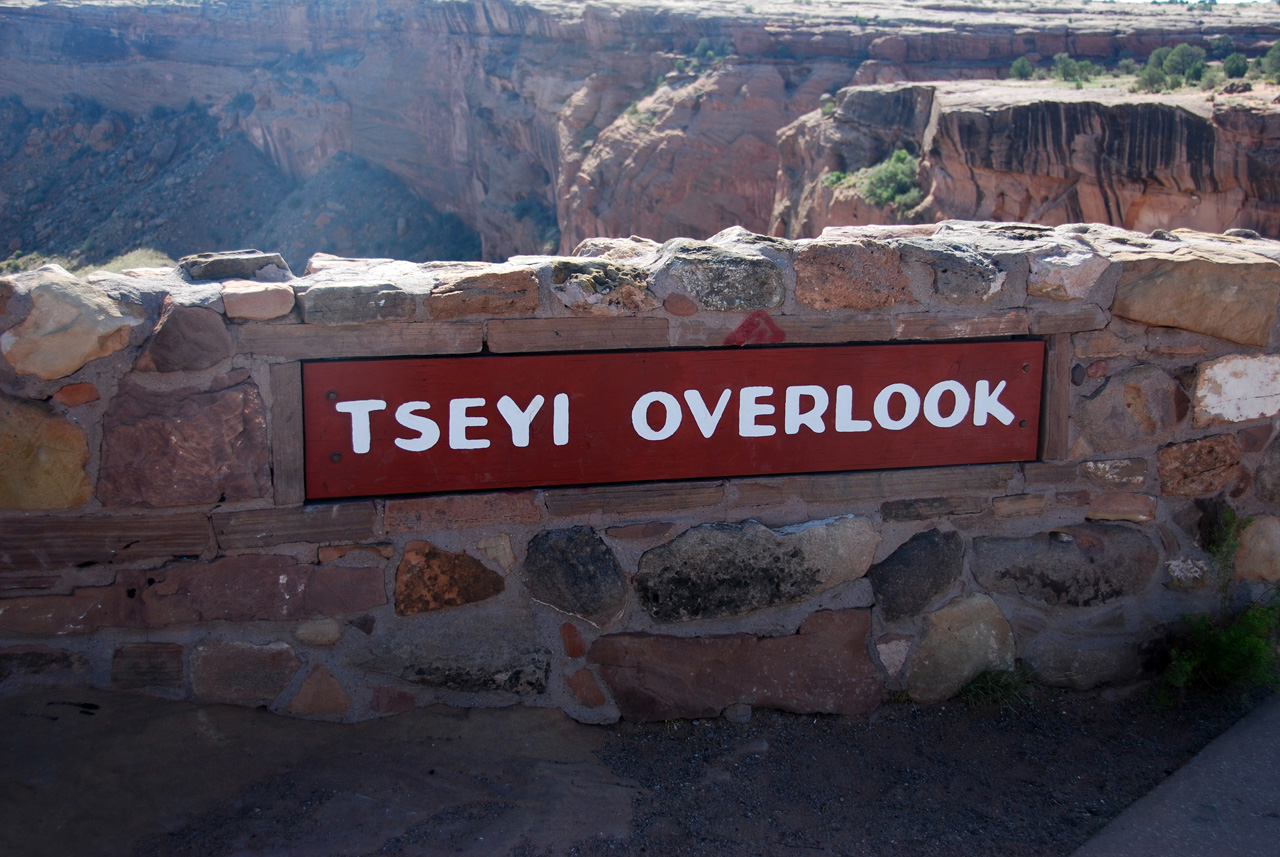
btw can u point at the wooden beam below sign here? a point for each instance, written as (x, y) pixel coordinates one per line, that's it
(320, 341)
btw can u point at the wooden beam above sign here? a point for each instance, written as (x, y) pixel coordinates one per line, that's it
(409, 426)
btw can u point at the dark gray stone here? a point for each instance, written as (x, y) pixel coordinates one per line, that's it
(1075, 567)
(720, 278)
(958, 271)
(720, 570)
(1135, 408)
(232, 265)
(916, 573)
(356, 303)
(1267, 480)
(467, 651)
(1081, 664)
(576, 571)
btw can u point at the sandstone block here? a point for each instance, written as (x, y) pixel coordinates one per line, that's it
(235, 265)
(1134, 408)
(502, 290)
(1237, 388)
(319, 693)
(1120, 506)
(892, 649)
(1224, 292)
(1065, 272)
(42, 458)
(254, 301)
(717, 570)
(137, 665)
(959, 273)
(1117, 473)
(42, 663)
(586, 689)
(571, 637)
(355, 303)
(965, 638)
(824, 668)
(74, 395)
(465, 651)
(721, 278)
(1019, 505)
(390, 700)
(185, 338)
(498, 549)
(431, 579)
(70, 323)
(850, 275)
(460, 511)
(916, 573)
(1072, 567)
(1258, 557)
(183, 447)
(242, 673)
(1199, 468)
(575, 571)
(318, 632)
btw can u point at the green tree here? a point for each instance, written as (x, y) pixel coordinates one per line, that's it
(1221, 47)
(1151, 79)
(1021, 69)
(1181, 58)
(1235, 65)
(1065, 67)
(1271, 62)
(1158, 56)
(1196, 71)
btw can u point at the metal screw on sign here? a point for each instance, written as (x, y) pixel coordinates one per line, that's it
(332, 395)
(336, 457)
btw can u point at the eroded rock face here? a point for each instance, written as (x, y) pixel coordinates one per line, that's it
(965, 638)
(1133, 408)
(916, 573)
(850, 275)
(575, 570)
(824, 668)
(183, 447)
(42, 458)
(70, 323)
(1199, 468)
(717, 570)
(721, 277)
(1076, 566)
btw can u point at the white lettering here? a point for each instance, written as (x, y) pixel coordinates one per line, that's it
(428, 431)
(459, 422)
(749, 408)
(844, 412)
(360, 410)
(519, 420)
(560, 419)
(795, 418)
(987, 402)
(640, 415)
(706, 420)
(909, 414)
(958, 413)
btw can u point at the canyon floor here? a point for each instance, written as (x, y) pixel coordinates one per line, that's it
(99, 773)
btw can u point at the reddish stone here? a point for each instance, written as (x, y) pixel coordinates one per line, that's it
(186, 338)
(680, 305)
(1097, 369)
(584, 687)
(1119, 506)
(41, 661)
(183, 447)
(826, 668)
(574, 645)
(389, 700)
(147, 665)
(319, 693)
(1254, 439)
(651, 530)
(431, 579)
(850, 275)
(360, 554)
(73, 395)
(1199, 468)
(459, 511)
(242, 672)
(1072, 498)
(234, 589)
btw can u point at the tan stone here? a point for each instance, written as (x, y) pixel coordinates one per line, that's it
(502, 290)
(586, 689)
(850, 275)
(1258, 557)
(42, 458)
(1199, 468)
(70, 323)
(965, 638)
(1224, 292)
(319, 693)
(319, 632)
(498, 549)
(1237, 388)
(1019, 505)
(1065, 273)
(256, 301)
(1122, 507)
(431, 579)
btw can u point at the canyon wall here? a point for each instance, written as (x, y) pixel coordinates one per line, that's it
(155, 531)
(540, 124)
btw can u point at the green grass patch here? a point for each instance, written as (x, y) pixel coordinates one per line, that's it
(999, 687)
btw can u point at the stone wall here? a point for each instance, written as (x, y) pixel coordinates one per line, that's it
(153, 534)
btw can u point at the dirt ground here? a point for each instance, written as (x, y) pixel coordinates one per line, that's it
(99, 773)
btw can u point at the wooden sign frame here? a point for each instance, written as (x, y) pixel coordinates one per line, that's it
(424, 425)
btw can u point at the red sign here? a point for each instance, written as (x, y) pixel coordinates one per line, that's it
(376, 427)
